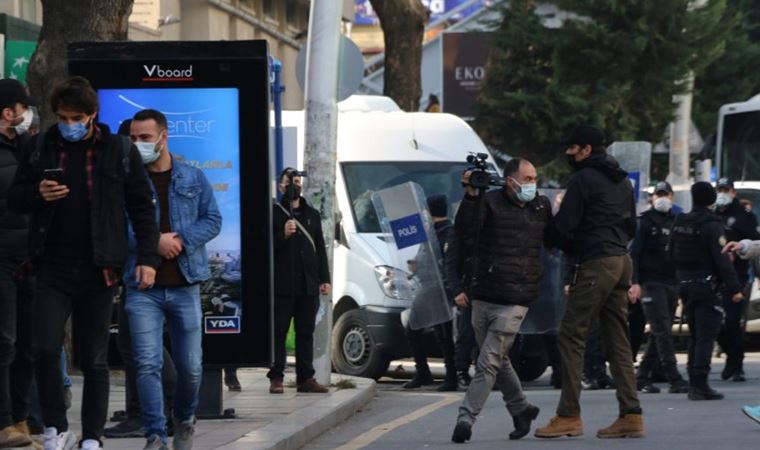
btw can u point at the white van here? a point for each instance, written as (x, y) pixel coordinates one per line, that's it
(380, 146)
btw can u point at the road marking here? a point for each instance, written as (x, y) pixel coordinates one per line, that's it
(377, 432)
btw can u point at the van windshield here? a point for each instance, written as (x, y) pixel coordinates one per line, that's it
(364, 178)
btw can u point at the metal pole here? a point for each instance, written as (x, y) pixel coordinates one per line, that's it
(321, 114)
(679, 145)
(277, 90)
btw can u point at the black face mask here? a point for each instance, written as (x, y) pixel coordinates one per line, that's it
(292, 192)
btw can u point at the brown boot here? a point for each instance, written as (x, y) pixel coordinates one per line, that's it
(630, 425)
(561, 426)
(275, 386)
(11, 437)
(313, 387)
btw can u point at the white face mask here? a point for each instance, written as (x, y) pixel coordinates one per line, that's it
(148, 151)
(23, 127)
(724, 199)
(662, 204)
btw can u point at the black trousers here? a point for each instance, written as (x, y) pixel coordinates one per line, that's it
(302, 309)
(465, 346)
(659, 304)
(636, 323)
(168, 373)
(704, 313)
(77, 289)
(444, 337)
(16, 325)
(731, 337)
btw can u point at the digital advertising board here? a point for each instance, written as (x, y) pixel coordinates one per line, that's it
(215, 96)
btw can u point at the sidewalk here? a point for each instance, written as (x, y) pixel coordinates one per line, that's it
(263, 422)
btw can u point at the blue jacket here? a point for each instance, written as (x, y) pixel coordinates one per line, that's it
(194, 216)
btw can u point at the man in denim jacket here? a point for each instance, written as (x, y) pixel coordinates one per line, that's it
(188, 218)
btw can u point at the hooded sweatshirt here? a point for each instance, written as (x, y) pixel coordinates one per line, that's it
(597, 217)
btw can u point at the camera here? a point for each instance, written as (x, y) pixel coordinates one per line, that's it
(481, 177)
(295, 173)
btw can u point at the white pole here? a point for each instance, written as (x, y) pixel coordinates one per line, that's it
(321, 114)
(679, 144)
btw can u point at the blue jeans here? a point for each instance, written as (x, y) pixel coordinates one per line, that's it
(181, 308)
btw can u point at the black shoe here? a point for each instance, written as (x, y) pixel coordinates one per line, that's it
(232, 383)
(739, 376)
(727, 372)
(522, 422)
(678, 387)
(605, 382)
(419, 380)
(463, 380)
(589, 384)
(704, 393)
(647, 387)
(132, 427)
(556, 379)
(449, 385)
(462, 433)
(118, 416)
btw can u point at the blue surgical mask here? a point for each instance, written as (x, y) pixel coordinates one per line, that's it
(148, 151)
(527, 191)
(724, 199)
(74, 132)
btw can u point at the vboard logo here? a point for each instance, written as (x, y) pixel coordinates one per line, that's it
(222, 325)
(158, 73)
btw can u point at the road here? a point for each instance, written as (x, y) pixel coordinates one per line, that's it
(424, 419)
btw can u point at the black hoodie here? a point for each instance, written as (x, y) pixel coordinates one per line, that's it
(597, 217)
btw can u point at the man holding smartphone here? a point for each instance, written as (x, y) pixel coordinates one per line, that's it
(78, 245)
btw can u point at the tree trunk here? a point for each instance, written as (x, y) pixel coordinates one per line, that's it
(403, 23)
(66, 21)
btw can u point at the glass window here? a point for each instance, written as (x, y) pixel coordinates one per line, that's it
(364, 178)
(268, 7)
(291, 12)
(247, 4)
(740, 149)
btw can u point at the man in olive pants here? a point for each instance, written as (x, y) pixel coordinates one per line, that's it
(594, 224)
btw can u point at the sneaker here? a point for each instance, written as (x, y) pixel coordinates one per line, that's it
(90, 444)
(753, 412)
(132, 427)
(678, 387)
(155, 443)
(52, 440)
(462, 433)
(311, 386)
(183, 434)
(11, 437)
(232, 383)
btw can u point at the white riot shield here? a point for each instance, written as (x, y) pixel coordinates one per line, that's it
(414, 248)
(546, 312)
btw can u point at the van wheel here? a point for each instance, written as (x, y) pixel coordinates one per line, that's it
(353, 349)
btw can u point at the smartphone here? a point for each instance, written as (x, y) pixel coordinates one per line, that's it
(53, 175)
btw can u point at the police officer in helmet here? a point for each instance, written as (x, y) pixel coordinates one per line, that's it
(701, 269)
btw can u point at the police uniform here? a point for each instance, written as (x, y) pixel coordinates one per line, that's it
(738, 224)
(654, 270)
(697, 241)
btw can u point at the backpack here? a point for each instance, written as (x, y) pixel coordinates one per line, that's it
(126, 147)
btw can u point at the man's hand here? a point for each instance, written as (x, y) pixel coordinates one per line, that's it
(145, 276)
(51, 191)
(567, 290)
(462, 301)
(738, 297)
(169, 245)
(325, 288)
(290, 228)
(732, 247)
(634, 294)
(471, 191)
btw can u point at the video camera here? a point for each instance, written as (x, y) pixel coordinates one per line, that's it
(480, 176)
(295, 173)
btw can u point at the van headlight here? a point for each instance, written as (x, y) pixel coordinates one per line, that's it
(394, 282)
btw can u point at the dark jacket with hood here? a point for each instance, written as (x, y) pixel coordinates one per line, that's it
(739, 224)
(597, 217)
(13, 226)
(508, 267)
(120, 190)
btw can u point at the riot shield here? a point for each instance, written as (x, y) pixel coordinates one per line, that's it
(546, 312)
(413, 248)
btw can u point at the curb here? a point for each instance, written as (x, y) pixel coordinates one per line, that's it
(300, 427)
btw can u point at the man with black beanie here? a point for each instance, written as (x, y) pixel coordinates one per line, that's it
(701, 269)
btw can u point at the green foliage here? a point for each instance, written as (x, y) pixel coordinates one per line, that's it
(733, 77)
(614, 63)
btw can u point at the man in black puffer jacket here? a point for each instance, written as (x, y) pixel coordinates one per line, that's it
(510, 227)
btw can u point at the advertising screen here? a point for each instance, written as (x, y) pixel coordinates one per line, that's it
(203, 131)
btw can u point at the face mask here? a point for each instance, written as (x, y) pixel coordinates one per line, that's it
(527, 191)
(662, 204)
(292, 192)
(724, 199)
(74, 132)
(148, 151)
(23, 127)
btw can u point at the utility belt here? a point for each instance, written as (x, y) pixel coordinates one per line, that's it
(705, 278)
